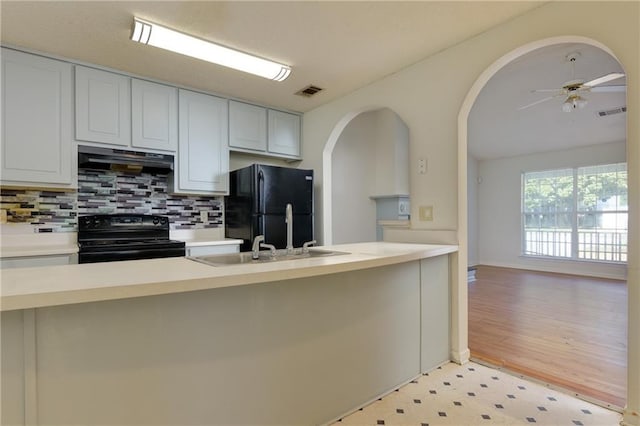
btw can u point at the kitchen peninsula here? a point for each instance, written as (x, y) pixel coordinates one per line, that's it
(173, 341)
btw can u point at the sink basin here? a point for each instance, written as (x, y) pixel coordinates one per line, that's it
(265, 257)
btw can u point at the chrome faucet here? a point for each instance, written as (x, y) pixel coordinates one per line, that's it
(272, 249)
(289, 220)
(305, 246)
(256, 247)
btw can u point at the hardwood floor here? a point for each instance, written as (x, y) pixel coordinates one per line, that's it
(569, 331)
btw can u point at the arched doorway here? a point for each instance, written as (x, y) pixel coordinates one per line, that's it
(365, 166)
(465, 225)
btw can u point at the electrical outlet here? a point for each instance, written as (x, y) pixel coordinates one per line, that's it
(204, 215)
(422, 166)
(426, 213)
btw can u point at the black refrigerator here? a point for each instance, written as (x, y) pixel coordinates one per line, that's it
(257, 201)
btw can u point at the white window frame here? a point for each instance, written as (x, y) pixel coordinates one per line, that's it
(610, 251)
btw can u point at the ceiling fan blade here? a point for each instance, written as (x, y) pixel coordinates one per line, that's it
(545, 90)
(604, 79)
(609, 89)
(537, 102)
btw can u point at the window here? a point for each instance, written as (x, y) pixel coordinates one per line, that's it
(578, 213)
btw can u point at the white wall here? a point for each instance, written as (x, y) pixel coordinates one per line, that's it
(472, 206)
(429, 95)
(391, 176)
(354, 159)
(370, 158)
(499, 235)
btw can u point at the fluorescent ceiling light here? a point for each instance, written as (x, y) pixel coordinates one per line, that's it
(156, 35)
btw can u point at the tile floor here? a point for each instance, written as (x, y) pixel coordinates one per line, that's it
(473, 394)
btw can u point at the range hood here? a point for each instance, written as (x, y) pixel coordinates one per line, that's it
(122, 160)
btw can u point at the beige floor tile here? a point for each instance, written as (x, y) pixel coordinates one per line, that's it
(474, 394)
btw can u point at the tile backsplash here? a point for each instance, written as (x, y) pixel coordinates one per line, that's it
(108, 192)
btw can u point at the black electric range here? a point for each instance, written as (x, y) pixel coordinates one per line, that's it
(109, 237)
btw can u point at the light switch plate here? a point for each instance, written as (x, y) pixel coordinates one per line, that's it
(422, 166)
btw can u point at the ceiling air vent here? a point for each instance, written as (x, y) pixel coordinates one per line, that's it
(309, 91)
(612, 111)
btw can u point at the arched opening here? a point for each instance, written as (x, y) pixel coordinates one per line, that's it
(365, 171)
(468, 227)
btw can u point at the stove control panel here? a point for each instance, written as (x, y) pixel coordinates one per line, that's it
(109, 222)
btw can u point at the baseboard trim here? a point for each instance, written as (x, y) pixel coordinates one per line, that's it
(554, 269)
(461, 357)
(630, 418)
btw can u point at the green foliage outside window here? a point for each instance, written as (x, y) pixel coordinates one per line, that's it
(576, 213)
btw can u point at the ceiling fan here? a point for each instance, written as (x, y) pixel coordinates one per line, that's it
(573, 89)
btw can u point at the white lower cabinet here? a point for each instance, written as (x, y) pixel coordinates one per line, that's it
(435, 303)
(37, 138)
(202, 164)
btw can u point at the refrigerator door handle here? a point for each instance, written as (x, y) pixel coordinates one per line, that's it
(260, 225)
(261, 206)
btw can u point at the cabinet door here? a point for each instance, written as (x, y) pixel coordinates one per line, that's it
(435, 304)
(284, 133)
(36, 120)
(247, 126)
(103, 107)
(203, 153)
(154, 116)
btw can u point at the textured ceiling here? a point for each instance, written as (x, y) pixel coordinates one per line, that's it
(498, 129)
(339, 46)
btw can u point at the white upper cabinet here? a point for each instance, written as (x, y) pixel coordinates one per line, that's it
(154, 109)
(103, 107)
(37, 135)
(247, 126)
(263, 131)
(203, 154)
(284, 133)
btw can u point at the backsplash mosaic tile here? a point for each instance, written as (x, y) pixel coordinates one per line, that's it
(47, 211)
(109, 192)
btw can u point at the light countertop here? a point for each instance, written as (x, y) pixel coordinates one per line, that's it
(202, 237)
(23, 288)
(17, 242)
(206, 242)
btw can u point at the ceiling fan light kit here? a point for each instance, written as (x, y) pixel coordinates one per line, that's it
(573, 89)
(146, 32)
(573, 102)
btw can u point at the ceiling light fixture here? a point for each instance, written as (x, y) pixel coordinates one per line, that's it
(165, 38)
(574, 101)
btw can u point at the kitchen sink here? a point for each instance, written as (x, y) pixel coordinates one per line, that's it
(265, 257)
